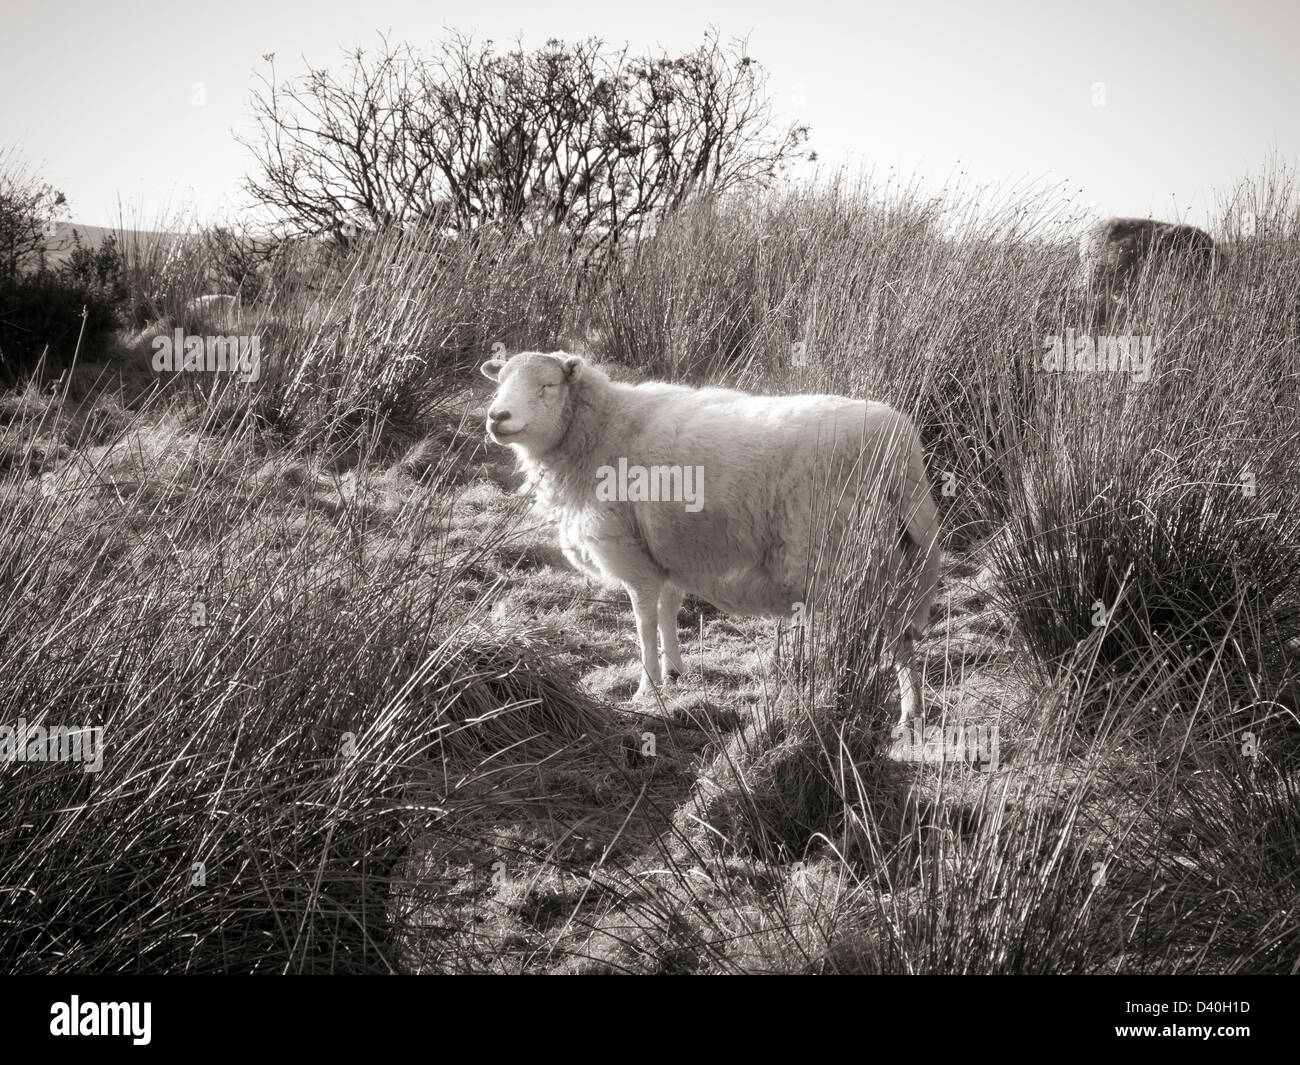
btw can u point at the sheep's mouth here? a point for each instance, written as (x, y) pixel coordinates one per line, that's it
(497, 433)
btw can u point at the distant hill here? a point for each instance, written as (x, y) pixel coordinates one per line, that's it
(60, 245)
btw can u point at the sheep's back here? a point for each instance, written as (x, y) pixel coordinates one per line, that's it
(772, 472)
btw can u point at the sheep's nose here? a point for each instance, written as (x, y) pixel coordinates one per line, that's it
(498, 415)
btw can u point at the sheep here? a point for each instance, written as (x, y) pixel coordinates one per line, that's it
(218, 307)
(670, 490)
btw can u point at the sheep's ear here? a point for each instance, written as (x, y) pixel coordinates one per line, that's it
(492, 369)
(573, 367)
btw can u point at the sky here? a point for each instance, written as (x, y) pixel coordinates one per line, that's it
(1132, 107)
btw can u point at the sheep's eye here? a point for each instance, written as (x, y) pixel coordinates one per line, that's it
(551, 385)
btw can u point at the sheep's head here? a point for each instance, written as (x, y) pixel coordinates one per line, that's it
(528, 410)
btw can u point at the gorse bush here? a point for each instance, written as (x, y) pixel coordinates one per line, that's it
(97, 270)
(29, 212)
(49, 315)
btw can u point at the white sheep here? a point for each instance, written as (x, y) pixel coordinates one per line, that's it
(670, 490)
(219, 308)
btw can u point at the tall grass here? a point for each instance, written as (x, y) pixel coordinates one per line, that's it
(268, 690)
(416, 312)
(330, 748)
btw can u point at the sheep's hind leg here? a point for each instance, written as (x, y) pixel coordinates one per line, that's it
(670, 602)
(645, 605)
(927, 578)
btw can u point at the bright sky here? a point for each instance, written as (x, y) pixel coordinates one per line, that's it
(1194, 94)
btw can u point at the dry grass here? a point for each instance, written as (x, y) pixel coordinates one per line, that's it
(361, 716)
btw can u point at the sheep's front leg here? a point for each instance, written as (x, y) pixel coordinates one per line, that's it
(670, 602)
(645, 605)
(909, 683)
(909, 693)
